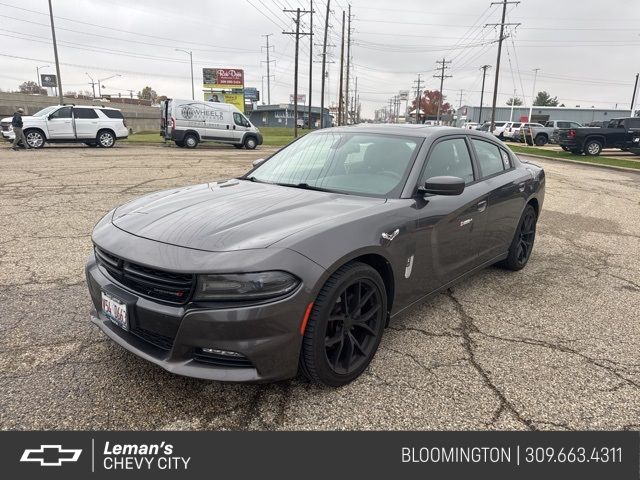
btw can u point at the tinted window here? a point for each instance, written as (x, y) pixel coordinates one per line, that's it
(347, 162)
(64, 112)
(489, 157)
(113, 113)
(240, 120)
(564, 124)
(84, 113)
(574, 125)
(449, 158)
(634, 123)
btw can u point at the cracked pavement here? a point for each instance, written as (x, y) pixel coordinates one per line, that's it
(554, 346)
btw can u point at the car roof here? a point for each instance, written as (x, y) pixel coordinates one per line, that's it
(408, 130)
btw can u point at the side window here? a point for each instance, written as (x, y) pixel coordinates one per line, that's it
(489, 157)
(574, 125)
(564, 125)
(238, 119)
(84, 113)
(64, 112)
(634, 123)
(449, 158)
(550, 124)
(506, 160)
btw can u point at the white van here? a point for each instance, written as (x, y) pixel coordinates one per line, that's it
(189, 122)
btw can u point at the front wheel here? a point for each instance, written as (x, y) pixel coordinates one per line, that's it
(345, 326)
(106, 139)
(250, 143)
(35, 138)
(522, 243)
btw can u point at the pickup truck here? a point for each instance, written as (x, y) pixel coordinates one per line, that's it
(545, 134)
(89, 124)
(622, 133)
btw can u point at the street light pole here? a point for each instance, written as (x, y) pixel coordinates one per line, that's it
(38, 73)
(533, 94)
(190, 53)
(93, 84)
(102, 80)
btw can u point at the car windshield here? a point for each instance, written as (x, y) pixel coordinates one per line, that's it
(352, 163)
(45, 111)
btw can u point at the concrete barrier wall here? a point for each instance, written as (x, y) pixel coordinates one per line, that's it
(140, 118)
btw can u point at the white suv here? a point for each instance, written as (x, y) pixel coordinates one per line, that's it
(94, 126)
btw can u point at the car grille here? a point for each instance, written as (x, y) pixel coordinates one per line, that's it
(223, 360)
(150, 282)
(161, 341)
(5, 127)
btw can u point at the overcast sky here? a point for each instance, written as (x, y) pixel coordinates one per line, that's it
(587, 50)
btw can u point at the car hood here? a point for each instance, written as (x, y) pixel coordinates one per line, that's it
(25, 118)
(233, 215)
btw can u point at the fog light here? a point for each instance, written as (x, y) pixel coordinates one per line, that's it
(226, 353)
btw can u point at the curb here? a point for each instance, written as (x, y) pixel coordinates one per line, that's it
(589, 164)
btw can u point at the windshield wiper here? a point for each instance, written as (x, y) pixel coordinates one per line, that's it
(306, 186)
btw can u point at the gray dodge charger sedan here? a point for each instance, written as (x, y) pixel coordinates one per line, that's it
(301, 263)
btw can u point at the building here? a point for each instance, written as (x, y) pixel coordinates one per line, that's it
(282, 116)
(539, 114)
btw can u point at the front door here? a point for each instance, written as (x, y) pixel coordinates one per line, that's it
(633, 133)
(60, 124)
(449, 228)
(240, 126)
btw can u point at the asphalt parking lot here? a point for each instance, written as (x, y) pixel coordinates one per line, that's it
(554, 346)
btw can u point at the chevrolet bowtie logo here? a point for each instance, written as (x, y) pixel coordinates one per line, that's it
(50, 455)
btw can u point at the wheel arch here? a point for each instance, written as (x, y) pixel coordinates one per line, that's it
(599, 138)
(44, 135)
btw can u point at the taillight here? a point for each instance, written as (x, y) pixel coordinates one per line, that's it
(571, 134)
(173, 123)
(124, 122)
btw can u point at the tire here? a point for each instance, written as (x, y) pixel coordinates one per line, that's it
(106, 139)
(566, 149)
(250, 143)
(190, 140)
(238, 145)
(592, 148)
(331, 354)
(523, 240)
(541, 140)
(35, 138)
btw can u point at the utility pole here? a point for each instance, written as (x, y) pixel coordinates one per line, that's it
(533, 93)
(484, 74)
(297, 33)
(341, 94)
(55, 54)
(93, 84)
(443, 63)
(633, 97)
(504, 4)
(190, 53)
(268, 62)
(346, 98)
(513, 101)
(310, 59)
(355, 102)
(324, 63)
(418, 98)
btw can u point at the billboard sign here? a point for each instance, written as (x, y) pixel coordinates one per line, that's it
(302, 99)
(236, 99)
(403, 94)
(252, 94)
(48, 80)
(222, 78)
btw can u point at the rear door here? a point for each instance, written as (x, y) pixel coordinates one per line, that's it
(86, 122)
(449, 228)
(60, 124)
(505, 187)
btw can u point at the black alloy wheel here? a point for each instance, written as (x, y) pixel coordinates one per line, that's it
(522, 243)
(345, 326)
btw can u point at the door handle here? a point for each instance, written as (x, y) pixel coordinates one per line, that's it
(521, 187)
(482, 206)
(227, 127)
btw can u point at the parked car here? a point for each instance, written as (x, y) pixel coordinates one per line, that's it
(623, 133)
(510, 129)
(89, 124)
(303, 261)
(499, 128)
(540, 136)
(189, 122)
(470, 125)
(519, 135)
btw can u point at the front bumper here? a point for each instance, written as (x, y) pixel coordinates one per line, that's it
(8, 135)
(267, 335)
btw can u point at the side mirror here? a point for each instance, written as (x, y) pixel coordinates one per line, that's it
(444, 185)
(257, 162)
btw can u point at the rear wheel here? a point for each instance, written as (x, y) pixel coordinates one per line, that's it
(541, 140)
(522, 243)
(35, 138)
(345, 326)
(190, 140)
(593, 148)
(106, 139)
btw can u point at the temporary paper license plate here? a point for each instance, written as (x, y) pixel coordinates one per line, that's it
(115, 310)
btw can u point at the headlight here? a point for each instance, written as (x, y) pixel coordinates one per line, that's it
(245, 286)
